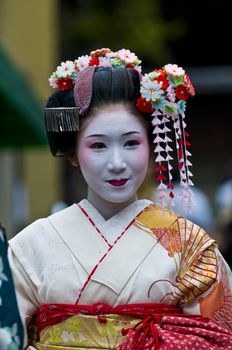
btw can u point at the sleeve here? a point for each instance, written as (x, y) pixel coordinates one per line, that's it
(25, 292)
(216, 303)
(11, 330)
(204, 280)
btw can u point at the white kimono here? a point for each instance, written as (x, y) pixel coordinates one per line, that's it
(76, 256)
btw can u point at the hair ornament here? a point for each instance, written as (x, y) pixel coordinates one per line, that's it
(78, 75)
(83, 89)
(61, 119)
(163, 94)
(66, 73)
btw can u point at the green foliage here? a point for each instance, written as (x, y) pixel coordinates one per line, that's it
(134, 24)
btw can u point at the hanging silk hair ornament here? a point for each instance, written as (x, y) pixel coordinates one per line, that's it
(163, 94)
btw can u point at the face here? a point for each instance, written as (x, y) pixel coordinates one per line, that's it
(113, 154)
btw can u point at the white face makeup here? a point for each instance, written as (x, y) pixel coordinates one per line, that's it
(113, 154)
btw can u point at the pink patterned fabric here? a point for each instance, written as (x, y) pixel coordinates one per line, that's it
(83, 89)
(178, 332)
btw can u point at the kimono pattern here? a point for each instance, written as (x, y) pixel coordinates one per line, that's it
(11, 330)
(142, 255)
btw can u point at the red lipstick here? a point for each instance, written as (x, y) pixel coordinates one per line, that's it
(118, 183)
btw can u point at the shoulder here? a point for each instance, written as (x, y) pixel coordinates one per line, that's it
(153, 216)
(39, 231)
(173, 231)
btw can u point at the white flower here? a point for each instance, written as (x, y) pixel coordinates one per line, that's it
(66, 69)
(111, 54)
(104, 62)
(174, 70)
(52, 81)
(127, 56)
(82, 62)
(151, 89)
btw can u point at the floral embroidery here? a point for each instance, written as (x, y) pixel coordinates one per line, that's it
(86, 331)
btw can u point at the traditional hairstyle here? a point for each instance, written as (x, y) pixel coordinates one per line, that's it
(109, 86)
(106, 77)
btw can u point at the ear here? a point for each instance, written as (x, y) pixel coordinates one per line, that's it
(72, 160)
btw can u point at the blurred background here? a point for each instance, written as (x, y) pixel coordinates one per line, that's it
(35, 36)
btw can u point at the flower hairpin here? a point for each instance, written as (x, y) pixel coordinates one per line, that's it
(163, 94)
(65, 75)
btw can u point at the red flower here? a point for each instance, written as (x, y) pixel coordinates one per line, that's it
(182, 92)
(64, 84)
(143, 105)
(162, 78)
(189, 86)
(129, 65)
(94, 62)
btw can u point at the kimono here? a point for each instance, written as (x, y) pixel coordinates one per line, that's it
(11, 330)
(78, 275)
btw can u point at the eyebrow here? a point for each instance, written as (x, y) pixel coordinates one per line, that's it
(125, 134)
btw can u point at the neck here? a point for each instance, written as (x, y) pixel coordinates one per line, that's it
(105, 208)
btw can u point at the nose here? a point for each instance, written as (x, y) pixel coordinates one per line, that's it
(116, 162)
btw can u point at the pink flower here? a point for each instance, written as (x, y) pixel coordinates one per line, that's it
(127, 56)
(82, 62)
(174, 70)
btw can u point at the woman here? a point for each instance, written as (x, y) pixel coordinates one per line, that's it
(11, 330)
(113, 271)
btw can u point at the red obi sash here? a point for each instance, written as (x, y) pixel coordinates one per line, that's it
(158, 325)
(51, 314)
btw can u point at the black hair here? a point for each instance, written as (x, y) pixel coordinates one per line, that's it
(61, 143)
(110, 86)
(114, 85)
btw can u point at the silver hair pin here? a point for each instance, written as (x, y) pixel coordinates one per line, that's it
(61, 119)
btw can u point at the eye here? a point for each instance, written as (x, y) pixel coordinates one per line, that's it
(98, 145)
(131, 143)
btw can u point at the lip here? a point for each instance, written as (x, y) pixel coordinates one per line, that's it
(118, 183)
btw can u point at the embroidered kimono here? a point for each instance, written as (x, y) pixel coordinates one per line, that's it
(142, 255)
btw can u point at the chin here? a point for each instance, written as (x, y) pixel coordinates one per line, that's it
(119, 199)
